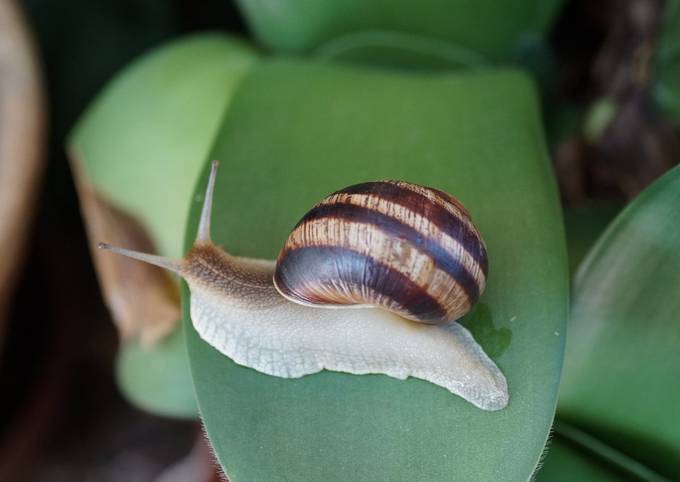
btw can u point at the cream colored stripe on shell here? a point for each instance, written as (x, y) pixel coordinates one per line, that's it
(420, 224)
(449, 206)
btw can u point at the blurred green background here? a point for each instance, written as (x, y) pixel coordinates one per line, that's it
(79, 406)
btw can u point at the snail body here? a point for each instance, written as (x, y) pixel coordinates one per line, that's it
(404, 272)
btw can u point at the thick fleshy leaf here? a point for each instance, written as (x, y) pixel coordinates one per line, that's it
(140, 139)
(400, 50)
(157, 379)
(137, 152)
(429, 30)
(296, 132)
(621, 371)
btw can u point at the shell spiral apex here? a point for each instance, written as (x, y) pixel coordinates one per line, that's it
(406, 248)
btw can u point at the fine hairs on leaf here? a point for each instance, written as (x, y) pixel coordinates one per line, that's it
(544, 454)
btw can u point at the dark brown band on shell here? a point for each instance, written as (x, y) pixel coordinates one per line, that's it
(406, 248)
(456, 228)
(315, 271)
(389, 225)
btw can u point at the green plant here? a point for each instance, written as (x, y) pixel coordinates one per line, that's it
(619, 390)
(288, 132)
(358, 125)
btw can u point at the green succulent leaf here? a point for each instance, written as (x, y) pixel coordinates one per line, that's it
(458, 32)
(401, 50)
(139, 140)
(621, 370)
(298, 131)
(141, 145)
(157, 378)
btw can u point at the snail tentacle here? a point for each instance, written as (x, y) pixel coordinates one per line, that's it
(160, 261)
(203, 234)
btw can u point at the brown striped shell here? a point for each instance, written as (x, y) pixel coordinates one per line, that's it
(409, 249)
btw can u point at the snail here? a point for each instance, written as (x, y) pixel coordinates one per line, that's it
(369, 281)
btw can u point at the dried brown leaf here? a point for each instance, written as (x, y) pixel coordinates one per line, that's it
(22, 129)
(143, 299)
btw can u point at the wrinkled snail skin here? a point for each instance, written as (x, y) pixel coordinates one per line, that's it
(236, 308)
(399, 246)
